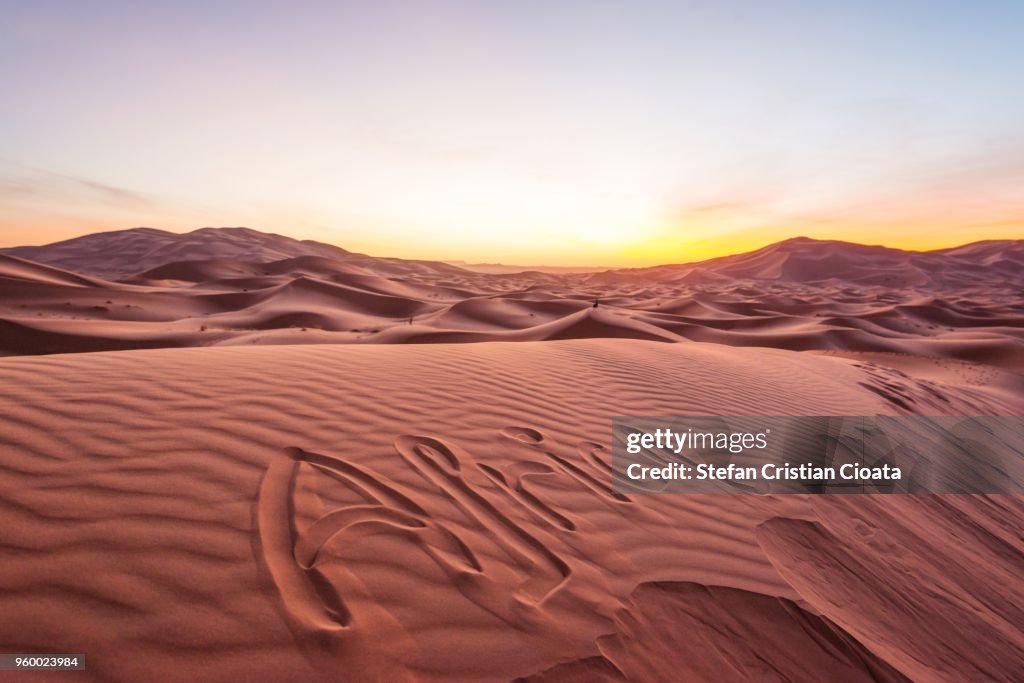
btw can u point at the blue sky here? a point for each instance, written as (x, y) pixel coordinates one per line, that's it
(571, 132)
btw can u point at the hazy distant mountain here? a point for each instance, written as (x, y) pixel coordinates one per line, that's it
(208, 252)
(805, 260)
(124, 254)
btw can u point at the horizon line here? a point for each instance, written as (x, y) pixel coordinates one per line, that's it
(526, 267)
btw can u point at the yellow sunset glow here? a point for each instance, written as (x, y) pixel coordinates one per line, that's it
(633, 135)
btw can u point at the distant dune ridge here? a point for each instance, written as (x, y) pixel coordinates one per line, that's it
(145, 288)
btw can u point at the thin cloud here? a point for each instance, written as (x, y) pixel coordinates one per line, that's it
(52, 183)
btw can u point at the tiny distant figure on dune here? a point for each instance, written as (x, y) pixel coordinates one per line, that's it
(596, 302)
(410, 319)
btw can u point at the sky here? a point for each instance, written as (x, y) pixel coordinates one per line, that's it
(533, 132)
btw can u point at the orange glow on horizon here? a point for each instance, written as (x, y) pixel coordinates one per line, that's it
(655, 248)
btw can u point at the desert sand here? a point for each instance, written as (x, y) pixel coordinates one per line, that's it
(270, 503)
(145, 288)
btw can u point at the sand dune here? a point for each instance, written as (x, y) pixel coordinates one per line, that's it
(754, 637)
(804, 260)
(124, 253)
(14, 271)
(323, 486)
(442, 513)
(960, 304)
(128, 253)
